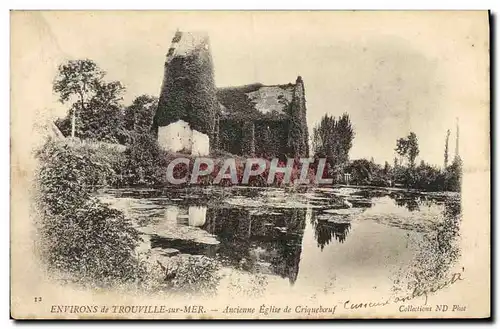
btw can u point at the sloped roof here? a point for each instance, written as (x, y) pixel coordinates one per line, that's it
(256, 101)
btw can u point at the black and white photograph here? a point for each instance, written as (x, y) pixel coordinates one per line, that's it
(250, 164)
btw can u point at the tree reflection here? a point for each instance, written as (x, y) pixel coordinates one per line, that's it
(447, 232)
(265, 242)
(439, 250)
(326, 231)
(409, 201)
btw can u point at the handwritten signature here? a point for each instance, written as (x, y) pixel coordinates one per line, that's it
(418, 291)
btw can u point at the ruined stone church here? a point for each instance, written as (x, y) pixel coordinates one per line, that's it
(195, 117)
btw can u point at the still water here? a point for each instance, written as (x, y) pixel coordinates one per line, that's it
(318, 239)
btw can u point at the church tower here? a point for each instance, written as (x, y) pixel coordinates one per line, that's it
(185, 117)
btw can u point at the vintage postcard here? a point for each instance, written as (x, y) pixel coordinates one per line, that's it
(250, 164)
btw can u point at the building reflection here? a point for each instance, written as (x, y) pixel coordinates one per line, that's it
(197, 216)
(267, 241)
(259, 242)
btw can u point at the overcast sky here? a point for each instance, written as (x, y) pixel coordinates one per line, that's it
(391, 72)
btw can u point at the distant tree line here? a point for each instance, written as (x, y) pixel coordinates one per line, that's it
(405, 173)
(332, 139)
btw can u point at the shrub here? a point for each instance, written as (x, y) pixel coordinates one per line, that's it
(196, 274)
(187, 274)
(92, 243)
(79, 235)
(146, 163)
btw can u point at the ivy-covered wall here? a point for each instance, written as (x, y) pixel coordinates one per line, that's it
(253, 119)
(188, 91)
(230, 136)
(268, 138)
(280, 132)
(271, 138)
(298, 135)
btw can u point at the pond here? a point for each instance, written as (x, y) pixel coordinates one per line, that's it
(315, 239)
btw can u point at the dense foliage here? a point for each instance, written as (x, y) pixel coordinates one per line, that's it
(146, 163)
(281, 131)
(298, 135)
(332, 139)
(139, 115)
(236, 100)
(238, 104)
(83, 239)
(423, 176)
(95, 111)
(408, 148)
(271, 139)
(80, 235)
(195, 274)
(189, 93)
(248, 139)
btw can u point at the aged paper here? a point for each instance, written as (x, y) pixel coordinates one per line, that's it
(250, 165)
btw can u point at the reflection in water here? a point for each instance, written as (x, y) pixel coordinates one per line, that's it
(171, 213)
(410, 203)
(197, 216)
(183, 246)
(265, 243)
(437, 252)
(326, 231)
(258, 242)
(444, 243)
(408, 200)
(415, 234)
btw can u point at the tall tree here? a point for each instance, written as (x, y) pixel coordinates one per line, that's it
(333, 139)
(413, 150)
(95, 110)
(446, 149)
(345, 136)
(322, 134)
(77, 82)
(402, 149)
(407, 147)
(455, 171)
